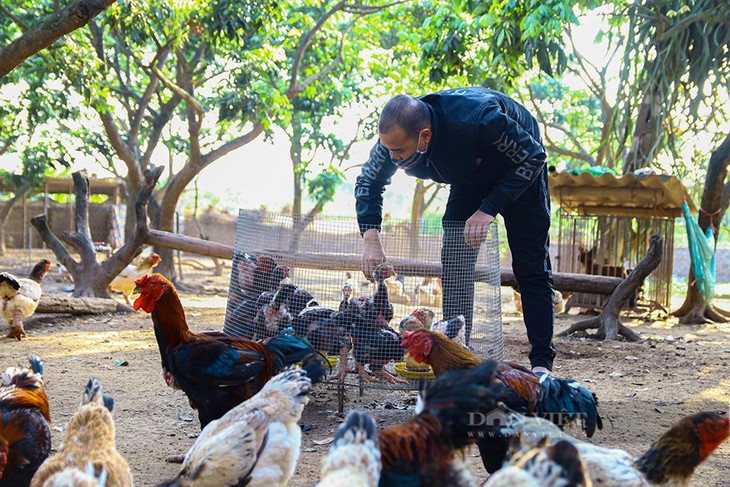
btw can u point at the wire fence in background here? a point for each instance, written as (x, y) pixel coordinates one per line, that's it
(322, 259)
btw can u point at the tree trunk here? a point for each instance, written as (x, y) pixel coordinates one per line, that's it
(646, 132)
(418, 209)
(92, 279)
(609, 322)
(295, 154)
(713, 206)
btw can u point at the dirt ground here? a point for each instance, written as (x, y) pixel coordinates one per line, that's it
(642, 387)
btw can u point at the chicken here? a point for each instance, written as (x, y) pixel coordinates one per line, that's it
(124, 282)
(353, 283)
(256, 444)
(425, 450)
(274, 316)
(410, 323)
(328, 331)
(300, 300)
(558, 465)
(563, 401)
(429, 292)
(216, 372)
(397, 290)
(347, 294)
(374, 342)
(377, 310)
(19, 296)
(559, 298)
(453, 328)
(354, 459)
(424, 315)
(75, 477)
(25, 438)
(669, 461)
(90, 439)
(239, 321)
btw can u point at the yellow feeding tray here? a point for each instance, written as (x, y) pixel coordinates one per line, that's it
(402, 370)
(332, 360)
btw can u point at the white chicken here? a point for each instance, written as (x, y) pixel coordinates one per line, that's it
(546, 465)
(669, 461)
(560, 299)
(124, 282)
(19, 297)
(256, 443)
(354, 459)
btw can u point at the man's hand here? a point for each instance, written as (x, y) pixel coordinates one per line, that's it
(475, 230)
(373, 253)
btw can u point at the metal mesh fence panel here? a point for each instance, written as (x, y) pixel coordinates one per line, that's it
(317, 263)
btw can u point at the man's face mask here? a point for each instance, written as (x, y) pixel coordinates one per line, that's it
(414, 159)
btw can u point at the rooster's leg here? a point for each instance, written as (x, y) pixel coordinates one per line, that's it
(362, 373)
(16, 327)
(343, 363)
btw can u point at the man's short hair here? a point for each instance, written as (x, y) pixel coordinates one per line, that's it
(406, 112)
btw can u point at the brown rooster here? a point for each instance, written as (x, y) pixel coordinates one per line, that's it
(216, 372)
(25, 438)
(669, 461)
(90, 440)
(561, 400)
(19, 297)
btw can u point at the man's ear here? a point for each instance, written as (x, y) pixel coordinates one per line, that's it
(426, 135)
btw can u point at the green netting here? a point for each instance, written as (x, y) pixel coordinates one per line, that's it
(702, 253)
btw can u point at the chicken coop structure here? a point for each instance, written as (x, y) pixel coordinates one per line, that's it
(106, 220)
(324, 256)
(604, 226)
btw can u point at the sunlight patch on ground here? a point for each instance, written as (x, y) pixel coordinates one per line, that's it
(204, 302)
(720, 393)
(85, 343)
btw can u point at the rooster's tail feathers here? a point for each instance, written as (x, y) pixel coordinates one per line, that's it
(289, 349)
(292, 380)
(35, 364)
(466, 403)
(10, 281)
(94, 393)
(565, 401)
(314, 368)
(357, 428)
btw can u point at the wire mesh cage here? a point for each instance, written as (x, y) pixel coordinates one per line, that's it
(313, 267)
(612, 245)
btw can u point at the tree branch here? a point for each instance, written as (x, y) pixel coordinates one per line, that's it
(56, 246)
(46, 32)
(304, 43)
(12, 17)
(231, 145)
(177, 90)
(126, 253)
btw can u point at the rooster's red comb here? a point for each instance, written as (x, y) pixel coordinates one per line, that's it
(143, 280)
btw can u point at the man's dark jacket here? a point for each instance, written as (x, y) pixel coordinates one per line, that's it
(480, 137)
